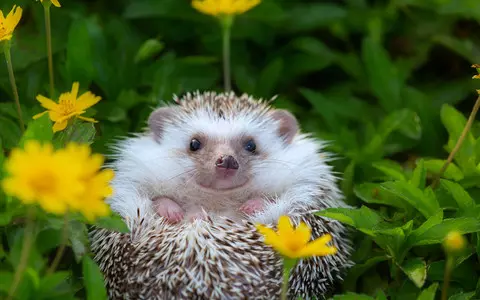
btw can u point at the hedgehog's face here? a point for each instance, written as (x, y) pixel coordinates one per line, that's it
(225, 153)
(222, 163)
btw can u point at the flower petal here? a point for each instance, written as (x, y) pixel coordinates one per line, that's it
(54, 116)
(58, 126)
(6, 37)
(303, 233)
(87, 119)
(47, 103)
(14, 17)
(86, 100)
(39, 115)
(70, 115)
(56, 3)
(285, 228)
(75, 87)
(319, 247)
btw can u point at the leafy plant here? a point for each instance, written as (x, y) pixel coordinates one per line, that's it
(385, 82)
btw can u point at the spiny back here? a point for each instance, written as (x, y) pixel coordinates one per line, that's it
(223, 105)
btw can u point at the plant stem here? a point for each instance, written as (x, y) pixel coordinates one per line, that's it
(48, 31)
(27, 245)
(288, 265)
(446, 278)
(459, 143)
(226, 22)
(11, 76)
(286, 275)
(61, 249)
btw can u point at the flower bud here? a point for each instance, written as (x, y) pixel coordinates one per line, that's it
(454, 242)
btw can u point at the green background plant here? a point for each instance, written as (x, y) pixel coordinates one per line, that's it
(388, 82)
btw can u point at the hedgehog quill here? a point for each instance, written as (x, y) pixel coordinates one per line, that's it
(193, 185)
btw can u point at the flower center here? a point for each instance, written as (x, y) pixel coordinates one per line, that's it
(3, 30)
(67, 105)
(294, 244)
(43, 183)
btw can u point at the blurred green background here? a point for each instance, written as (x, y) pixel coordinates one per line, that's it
(369, 76)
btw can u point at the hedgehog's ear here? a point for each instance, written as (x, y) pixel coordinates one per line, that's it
(288, 124)
(158, 119)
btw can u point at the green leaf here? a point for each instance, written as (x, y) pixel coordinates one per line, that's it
(419, 175)
(11, 136)
(78, 235)
(310, 16)
(2, 159)
(79, 132)
(39, 129)
(429, 293)
(382, 74)
(35, 260)
(390, 168)
(405, 121)
(381, 295)
(435, 165)
(467, 206)
(425, 203)
(79, 52)
(93, 280)
(6, 279)
(416, 270)
(392, 239)
(374, 193)
(149, 48)
(48, 239)
(462, 296)
(464, 275)
(360, 268)
(395, 121)
(268, 80)
(348, 177)
(363, 218)
(114, 222)
(49, 285)
(436, 233)
(352, 296)
(429, 223)
(454, 122)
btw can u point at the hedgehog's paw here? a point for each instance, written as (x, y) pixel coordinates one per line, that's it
(253, 206)
(169, 209)
(197, 215)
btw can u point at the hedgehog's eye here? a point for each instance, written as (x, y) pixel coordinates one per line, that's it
(250, 146)
(195, 145)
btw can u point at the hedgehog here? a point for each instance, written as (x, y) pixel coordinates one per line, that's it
(191, 188)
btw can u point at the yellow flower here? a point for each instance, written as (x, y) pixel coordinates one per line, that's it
(91, 202)
(225, 7)
(68, 107)
(38, 175)
(295, 243)
(454, 242)
(68, 179)
(54, 2)
(8, 24)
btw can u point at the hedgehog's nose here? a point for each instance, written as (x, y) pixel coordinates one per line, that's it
(227, 162)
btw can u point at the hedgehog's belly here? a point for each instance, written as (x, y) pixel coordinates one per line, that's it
(222, 205)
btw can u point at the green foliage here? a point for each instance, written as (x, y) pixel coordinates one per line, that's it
(388, 83)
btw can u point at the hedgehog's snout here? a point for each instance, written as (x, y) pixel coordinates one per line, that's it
(227, 162)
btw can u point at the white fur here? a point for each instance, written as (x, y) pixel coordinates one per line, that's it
(294, 175)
